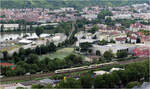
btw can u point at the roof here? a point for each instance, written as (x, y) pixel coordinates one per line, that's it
(49, 81)
(44, 35)
(115, 69)
(25, 41)
(100, 72)
(133, 37)
(121, 39)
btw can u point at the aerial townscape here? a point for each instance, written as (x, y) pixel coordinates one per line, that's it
(74, 44)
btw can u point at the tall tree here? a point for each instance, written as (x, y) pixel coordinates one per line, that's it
(39, 31)
(108, 55)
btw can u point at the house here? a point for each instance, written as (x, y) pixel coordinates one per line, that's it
(146, 40)
(136, 27)
(133, 39)
(10, 26)
(142, 51)
(113, 47)
(121, 40)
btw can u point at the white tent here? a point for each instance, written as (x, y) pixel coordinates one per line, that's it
(24, 41)
(33, 37)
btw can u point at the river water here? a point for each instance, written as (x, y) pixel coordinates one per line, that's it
(13, 35)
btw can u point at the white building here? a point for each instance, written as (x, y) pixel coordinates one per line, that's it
(113, 47)
(10, 26)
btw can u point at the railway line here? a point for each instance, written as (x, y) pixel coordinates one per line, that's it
(33, 76)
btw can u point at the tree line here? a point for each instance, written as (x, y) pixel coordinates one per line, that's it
(133, 75)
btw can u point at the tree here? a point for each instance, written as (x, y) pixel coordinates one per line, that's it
(33, 58)
(132, 84)
(109, 21)
(103, 42)
(52, 47)
(104, 13)
(94, 29)
(69, 83)
(99, 82)
(138, 40)
(108, 55)
(21, 88)
(38, 86)
(39, 30)
(85, 47)
(2, 28)
(122, 54)
(86, 81)
(5, 55)
(98, 53)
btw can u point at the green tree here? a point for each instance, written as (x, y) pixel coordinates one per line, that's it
(20, 88)
(99, 82)
(103, 42)
(109, 21)
(104, 13)
(94, 29)
(85, 47)
(39, 30)
(33, 58)
(122, 54)
(37, 86)
(132, 84)
(69, 83)
(2, 28)
(5, 55)
(108, 55)
(86, 81)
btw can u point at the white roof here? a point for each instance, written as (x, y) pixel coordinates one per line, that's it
(25, 41)
(56, 38)
(101, 72)
(34, 36)
(115, 69)
(44, 35)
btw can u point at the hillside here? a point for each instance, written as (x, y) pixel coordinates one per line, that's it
(65, 3)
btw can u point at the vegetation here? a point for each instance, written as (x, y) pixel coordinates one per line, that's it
(108, 55)
(69, 3)
(85, 47)
(94, 29)
(39, 31)
(133, 75)
(122, 54)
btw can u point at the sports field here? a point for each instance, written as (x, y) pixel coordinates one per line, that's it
(61, 53)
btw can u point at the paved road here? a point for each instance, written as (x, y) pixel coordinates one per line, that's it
(27, 77)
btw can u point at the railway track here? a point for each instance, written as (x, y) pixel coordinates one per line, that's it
(33, 76)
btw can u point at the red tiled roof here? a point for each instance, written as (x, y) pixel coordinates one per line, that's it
(121, 39)
(132, 37)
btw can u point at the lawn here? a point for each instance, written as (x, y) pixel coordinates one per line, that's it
(61, 53)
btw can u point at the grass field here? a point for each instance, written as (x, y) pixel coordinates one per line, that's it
(61, 53)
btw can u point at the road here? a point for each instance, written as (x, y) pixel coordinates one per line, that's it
(28, 77)
(73, 28)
